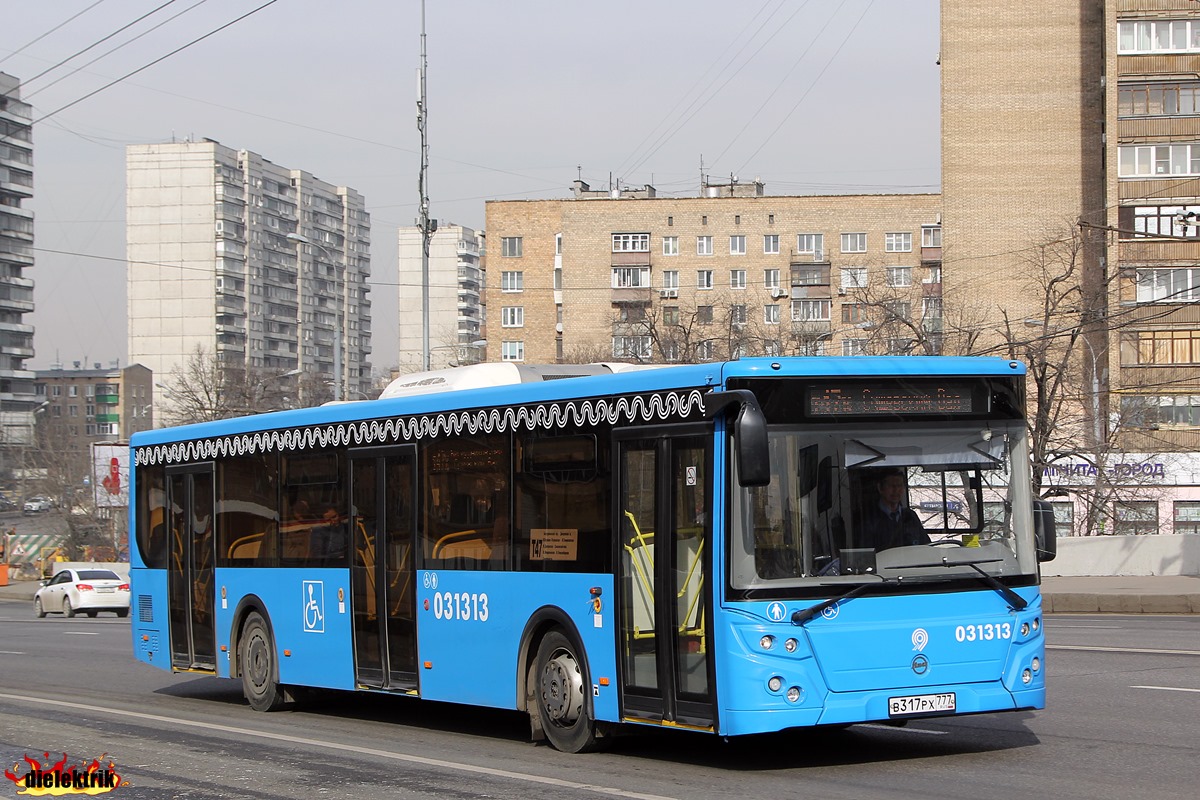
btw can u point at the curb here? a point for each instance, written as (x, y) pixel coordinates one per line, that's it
(1086, 602)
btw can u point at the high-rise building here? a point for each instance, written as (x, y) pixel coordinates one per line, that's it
(17, 400)
(262, 267)
(455, 298)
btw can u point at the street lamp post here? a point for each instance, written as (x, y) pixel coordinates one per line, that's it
(342, 318)
(1097, 433)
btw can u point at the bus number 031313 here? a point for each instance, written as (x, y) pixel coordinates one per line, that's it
(465, 606)
(986, 632)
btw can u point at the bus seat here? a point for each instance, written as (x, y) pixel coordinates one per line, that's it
(471, 543)
(246, 547)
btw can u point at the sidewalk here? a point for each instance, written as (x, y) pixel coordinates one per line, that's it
(1154, 594)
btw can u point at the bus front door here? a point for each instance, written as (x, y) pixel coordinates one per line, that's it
(663, 581)
(190, 570)
(383, 488)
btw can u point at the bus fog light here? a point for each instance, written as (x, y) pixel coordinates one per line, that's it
(1037, 664)
(1026, 676)
(794, 693)
(766, 642)
(775, 684)
(1037, 624)
(790, 645)
(1024, 628)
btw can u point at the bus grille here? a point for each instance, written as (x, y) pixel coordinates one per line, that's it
(145, 608)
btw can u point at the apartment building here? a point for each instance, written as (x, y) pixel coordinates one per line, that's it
(628, 275)
(82, 404)
(17, 401)
(261, 266)
(456, 308)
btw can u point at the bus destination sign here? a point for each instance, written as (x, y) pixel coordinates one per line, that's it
(881, 399)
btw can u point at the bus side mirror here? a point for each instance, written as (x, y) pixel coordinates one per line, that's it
(1044, 535)
(749, 434)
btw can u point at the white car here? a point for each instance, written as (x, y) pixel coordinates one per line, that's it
(88, 590)
(36, 505)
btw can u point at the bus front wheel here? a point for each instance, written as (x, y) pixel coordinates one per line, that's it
(561, 702)
(256, 660)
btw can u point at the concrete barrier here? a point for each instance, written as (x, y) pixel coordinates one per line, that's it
(1162, 554)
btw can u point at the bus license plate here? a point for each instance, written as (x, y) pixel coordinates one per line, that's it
(921, 704)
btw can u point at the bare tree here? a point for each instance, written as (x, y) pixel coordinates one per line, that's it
(203, 389)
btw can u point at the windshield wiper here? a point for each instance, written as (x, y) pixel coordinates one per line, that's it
(801, 617)
(1015, 600)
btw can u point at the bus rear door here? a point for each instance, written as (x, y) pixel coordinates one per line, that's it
(190, 569)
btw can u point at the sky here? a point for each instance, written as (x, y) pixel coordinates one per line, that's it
(524, 96)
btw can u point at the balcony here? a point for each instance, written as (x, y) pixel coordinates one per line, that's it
(631, 259)
(931, 255)
(1139, 252)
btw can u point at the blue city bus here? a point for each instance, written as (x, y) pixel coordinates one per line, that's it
(498, 545)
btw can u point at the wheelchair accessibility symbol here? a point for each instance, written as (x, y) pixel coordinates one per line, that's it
(314, 607)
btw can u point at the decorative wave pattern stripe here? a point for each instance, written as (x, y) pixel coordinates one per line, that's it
(659, 407)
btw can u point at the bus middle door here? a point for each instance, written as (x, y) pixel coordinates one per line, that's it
(663, 515)
(190, 571)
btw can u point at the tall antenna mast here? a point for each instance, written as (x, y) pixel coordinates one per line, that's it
(427, 227)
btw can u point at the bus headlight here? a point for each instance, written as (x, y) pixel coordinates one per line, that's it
(1024, 628)
(1026, 676)
(794, 693)
(775, 683)
(1037, 624)
(767, 642)
(790, 645)
(1036, 664)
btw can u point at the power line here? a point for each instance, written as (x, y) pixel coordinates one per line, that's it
(37, 39)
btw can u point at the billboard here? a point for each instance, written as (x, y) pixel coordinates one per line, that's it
(110, 475)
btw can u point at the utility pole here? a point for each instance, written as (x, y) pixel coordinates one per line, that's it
(427, 226)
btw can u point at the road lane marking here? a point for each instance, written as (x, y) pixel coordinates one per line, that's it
(80, 633)
(1096, 649)
(1167, 688)
(898, 729)
(300, 740)
(11, 653)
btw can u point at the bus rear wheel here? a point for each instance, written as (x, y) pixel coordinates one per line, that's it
(561, 701)
(256, 661)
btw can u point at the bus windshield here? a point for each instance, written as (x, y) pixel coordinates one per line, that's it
(868, 501)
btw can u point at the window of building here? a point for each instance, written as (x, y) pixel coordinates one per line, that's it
(811, 243)
(631, 243)
(1168, 347)
(771, 244)
(630, 277)
(557, 244)
(899, 345)
(1152, 411)
(632, 312)
(808, 276)
(931, 236)
(72, 391)
(854, 277)
(1176, 220)
(1187, 516)
(1135, 517)
(670, 245)
(854, 347)
(1179, 285)
(854, 313)
(510, 246)
(899, 277)
(934, 276)
(704, 279)
(810, 310)
(669, 350)
(670, 316)
(898, 309)
(1158, 99)
(704, 351)
(670, 279)
(512, 351)
(737, 245)
(737, 315)
(737, 279)
(770, 279)
(897, 242)
(512, 317)
(636, 347)
(512, 281)
(771, 314)
(1151, 160)
(704, 315)
(1158, 36)
(704, 246)
(854, 243)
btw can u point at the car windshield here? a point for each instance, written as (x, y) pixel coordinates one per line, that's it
(871, 501)
(98, 575)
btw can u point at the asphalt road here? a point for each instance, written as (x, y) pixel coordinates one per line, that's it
(1123, 721)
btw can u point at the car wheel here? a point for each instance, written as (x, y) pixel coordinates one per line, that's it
(91, 614)
(68, 611)
(37, 607)
(256, 661)
(561, 701)
(122, 612)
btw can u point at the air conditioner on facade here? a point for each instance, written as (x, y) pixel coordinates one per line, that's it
(669, 293)
(778, 293)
